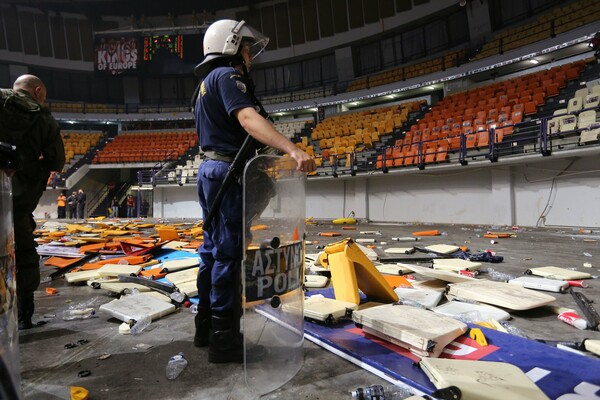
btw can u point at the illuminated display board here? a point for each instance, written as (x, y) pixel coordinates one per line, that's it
(145, 55)
(168, 44)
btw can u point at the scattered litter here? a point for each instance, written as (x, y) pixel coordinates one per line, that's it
(590, 240)
(143, 346)
(50, 290)
(138, 325)
(84, 373)
(83, 313)
(526, 259)
(80, 342)
(577, 283)
(477, 335)
(498, 276)
(124, 329)
(104, 356)
(587, 254)
(78, 393)
(49, 316)
(511, 329)
(81, 310)
(365, 240)
(587, 265)
(176, 365)
(585, 230)
(380, 392)
(573, 319)
(434, 232)
(493, 241)
(405, 239)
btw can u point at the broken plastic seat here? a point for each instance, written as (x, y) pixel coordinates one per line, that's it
(422, 332)
(352, 270)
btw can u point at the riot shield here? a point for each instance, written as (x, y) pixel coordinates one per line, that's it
(273, 272)
(9, 339)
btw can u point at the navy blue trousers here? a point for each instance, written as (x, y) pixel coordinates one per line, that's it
(219, 277)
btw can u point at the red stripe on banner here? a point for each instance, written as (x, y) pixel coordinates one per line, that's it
(390, 346)
(465, 348)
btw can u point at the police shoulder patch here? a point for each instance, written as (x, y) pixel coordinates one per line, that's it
(241, 86)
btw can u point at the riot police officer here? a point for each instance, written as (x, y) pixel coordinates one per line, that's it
(225, 113)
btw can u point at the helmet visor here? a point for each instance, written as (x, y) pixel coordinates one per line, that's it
(256, 41)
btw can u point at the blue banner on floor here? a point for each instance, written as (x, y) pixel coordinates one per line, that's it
(560, 374)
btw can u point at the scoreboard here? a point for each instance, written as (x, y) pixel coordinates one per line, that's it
(147, 55)
(169, 44)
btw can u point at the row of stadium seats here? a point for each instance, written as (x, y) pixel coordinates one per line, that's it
(557, 21)
(396, 74)
(475, 118)
(290, 128)
(78, 142)
(147, 147)
(379, 121)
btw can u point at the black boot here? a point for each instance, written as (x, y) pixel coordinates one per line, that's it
(25, 307)
(226, 343)
(203, 324)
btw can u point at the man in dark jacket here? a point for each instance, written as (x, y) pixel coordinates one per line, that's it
(41, 150)
(81, 199)
(72, 202)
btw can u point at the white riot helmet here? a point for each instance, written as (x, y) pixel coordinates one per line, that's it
(224, 38)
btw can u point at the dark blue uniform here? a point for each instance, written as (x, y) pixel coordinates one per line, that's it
(222, 92)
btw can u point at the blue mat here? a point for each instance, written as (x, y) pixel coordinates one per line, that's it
(556, 372)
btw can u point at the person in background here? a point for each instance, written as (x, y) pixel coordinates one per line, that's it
(72, 202)
(41, 151)
(114, 205)
(130, 206)
(61, 205)
(81, 199)
(225, 114)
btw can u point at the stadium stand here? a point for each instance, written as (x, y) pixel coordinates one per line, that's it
(550, 24)
(79, 143)
(136, 147)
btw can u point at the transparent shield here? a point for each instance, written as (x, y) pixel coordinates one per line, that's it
(273, 272)
(9, 338)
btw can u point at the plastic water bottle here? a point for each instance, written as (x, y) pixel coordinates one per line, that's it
(78, 313)
(140, 324)
(378, 392)
(176, 364)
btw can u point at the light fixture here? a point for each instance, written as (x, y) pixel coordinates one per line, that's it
(355, 103)
(431, 87)
(534, 61)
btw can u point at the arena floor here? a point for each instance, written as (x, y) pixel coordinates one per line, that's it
(136, 366)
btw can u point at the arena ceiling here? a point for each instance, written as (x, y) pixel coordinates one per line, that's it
(135, 7)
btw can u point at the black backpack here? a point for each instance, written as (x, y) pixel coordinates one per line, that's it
(17, 114)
